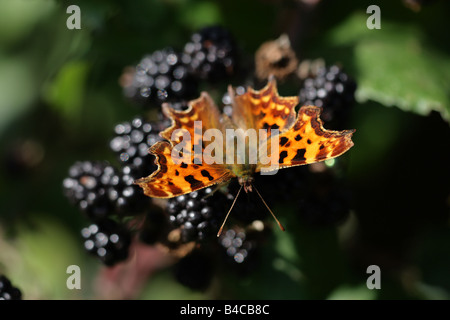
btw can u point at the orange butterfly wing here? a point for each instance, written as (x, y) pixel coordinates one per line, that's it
(174, 177)
(264, 109)
(309, 142)
(302, 138)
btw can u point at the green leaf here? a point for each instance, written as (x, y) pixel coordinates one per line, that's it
(45, 251)
(66, 92)
(199, 14)
(19, 17)
(346, 292)
(394, 65)
(17, 89)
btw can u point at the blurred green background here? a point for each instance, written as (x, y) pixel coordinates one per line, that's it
(60, 99)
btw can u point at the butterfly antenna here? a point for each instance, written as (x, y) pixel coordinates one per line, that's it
(273, 215)
(226, 217)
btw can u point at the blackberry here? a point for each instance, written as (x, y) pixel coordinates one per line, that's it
(107, 240)
(8, 291)
(240, 248)
(198, 214)
(334, 91)
(227, 100)
(125, 196)
(161, 77)
(235, 245)
(211, 54)
(85, 187)
(132, 141)
(194, 270)
(100, 190)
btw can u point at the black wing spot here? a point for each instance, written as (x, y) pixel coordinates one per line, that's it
(283, 154)
(300, 155)
(192, 181)
(177, 173)
(275, 126)
(206, 174)
(183, 165)
(321, 147)
(308, 141)
(283, 141)
(298, 137)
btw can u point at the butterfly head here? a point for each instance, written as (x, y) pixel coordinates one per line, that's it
(246, 183)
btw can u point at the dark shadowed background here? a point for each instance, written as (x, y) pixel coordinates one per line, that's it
(60, 99)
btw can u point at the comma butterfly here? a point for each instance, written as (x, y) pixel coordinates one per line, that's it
(300, 139)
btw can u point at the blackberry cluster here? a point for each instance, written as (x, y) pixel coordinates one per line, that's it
(198, 214)
(8, 291)
(161, 77)
(87, 187)
(236, 246)
(132, 141)
(334, 91)
(107, 240)
(211, 54)
(125, 196)
(100, 190)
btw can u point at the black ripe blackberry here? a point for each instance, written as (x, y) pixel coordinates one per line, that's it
(86, 188)
(161, 77)
(198, 214)
(132, 141)
(334, 91)
(194, 270)
(8, 291)
(107, 240)
(241, 248)
(235, 245)
(100, 190)
(125, 196)
(211, 54)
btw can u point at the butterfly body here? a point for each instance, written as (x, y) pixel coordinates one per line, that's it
(246, 182)
(288, 137)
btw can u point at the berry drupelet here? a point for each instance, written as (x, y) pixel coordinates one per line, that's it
(334, 91)
(86, 188)
(132, 141)
(161, 77)
(126, 197)
(107, 240)
(211, 54)
(100, 190)
(198, 214)
(8, 291)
